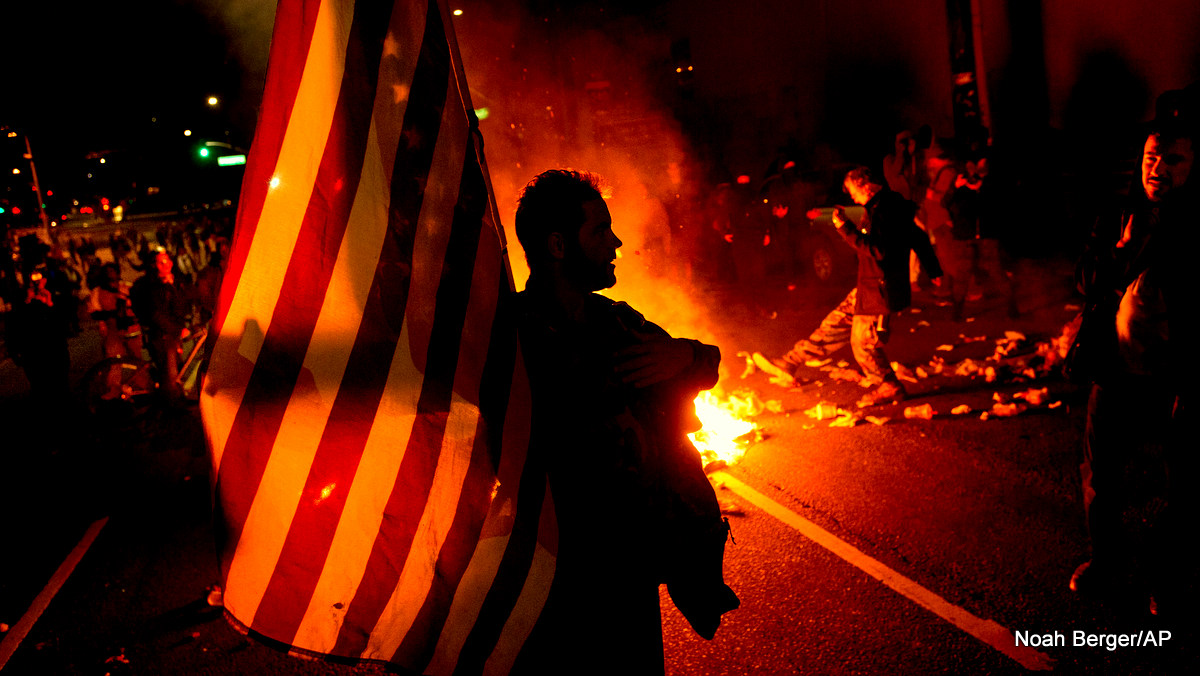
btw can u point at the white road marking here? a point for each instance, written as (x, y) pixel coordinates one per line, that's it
(987, 631)
(14, 637)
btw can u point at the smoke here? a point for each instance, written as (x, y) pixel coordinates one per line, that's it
(560, 93)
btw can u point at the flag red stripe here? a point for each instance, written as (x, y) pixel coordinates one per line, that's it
(495, 383)
(315, 522)
(277, 369)
(417, 648)
(294, 25)
(411, 491)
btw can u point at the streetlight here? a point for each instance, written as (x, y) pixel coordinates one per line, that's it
(213, 101)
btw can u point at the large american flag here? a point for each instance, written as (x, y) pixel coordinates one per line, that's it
(366, 405)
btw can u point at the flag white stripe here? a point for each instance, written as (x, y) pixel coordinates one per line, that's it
(416, 577)
(526, 611)
(362, 514)
(269, 519)
(258, 289)
(455, 457)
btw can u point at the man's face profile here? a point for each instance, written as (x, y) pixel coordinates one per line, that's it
(856, 192)
(589, 261)
(1165, 165)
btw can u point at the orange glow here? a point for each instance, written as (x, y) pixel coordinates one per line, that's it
(725, 434)
(743, 179)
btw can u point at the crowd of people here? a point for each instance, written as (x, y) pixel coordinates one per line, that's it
(141, 288)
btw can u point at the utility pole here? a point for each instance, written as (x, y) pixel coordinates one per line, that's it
(969, 95)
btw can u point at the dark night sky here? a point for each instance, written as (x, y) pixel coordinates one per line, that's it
(89, 77)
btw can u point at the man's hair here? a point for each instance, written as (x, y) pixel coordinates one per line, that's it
(553, 202)
(859, 176)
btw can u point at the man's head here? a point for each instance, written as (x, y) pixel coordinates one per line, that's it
(163, 263)
(562, 222)
(1167, 161)
(858, 185)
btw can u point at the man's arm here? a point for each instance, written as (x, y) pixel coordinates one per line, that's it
(919, 241)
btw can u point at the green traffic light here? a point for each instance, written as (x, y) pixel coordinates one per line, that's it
(204, 152)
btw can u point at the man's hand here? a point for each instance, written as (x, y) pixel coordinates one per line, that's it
(839, 216)
(654, 361)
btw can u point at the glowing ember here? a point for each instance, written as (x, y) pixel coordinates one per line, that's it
(725, 435)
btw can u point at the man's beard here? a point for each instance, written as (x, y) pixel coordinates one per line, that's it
(587, 274)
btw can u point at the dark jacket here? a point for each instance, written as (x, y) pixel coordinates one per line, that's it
(629, 490)
(883, 240)
(1158, 243)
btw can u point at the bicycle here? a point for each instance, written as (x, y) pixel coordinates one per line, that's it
(126, 388)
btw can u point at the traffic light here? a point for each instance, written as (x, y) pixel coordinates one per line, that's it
(204, 152)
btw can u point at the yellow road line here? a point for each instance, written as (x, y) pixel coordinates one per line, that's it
(987, 631)
(9, 645)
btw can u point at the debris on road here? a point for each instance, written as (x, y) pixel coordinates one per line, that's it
(877, 419)
(778, 375)
(945, 348)
(1007, 410)
(924, 412)
(961, 409)
(847, 419)
(824, 410)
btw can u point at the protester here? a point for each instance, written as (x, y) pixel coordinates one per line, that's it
(1132, 346)
(883, 242)
(162, 311)
(970, 248)
(611, 394)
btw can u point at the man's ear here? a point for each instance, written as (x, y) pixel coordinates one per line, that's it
(556, 245)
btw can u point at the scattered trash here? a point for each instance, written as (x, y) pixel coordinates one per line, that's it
(924, 412)
(847, 419)
(1055, 404)
(216, 597)
(824, 410)
(983, 416)
(842, 364)
(923, 323)
(971, 339)
(1014, 335)
(1071, 307)
(1007, 410)
(3, 628)
(778, 375)
(877, 420)
(774, 406)
(817, 363)
(845, 374)
(807, 427)
(903, 372)
(961, 409)
(945, 348)
(1034, 397)
(921, 372)
(968, 367)
(989, 374)
(943, 303)
(970, 319)
(915, 310)
(118, 658)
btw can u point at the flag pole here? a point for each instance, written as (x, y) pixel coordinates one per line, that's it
(460, 78)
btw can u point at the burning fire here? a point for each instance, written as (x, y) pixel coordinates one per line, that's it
(725, 434)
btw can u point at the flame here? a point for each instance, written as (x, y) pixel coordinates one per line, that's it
(725, 433)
